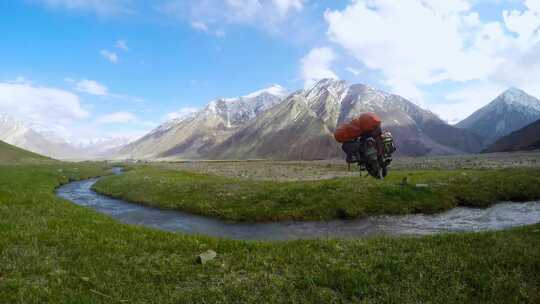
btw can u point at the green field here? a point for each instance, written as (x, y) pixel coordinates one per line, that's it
(56, 252)
(353, 197)
(52, 251)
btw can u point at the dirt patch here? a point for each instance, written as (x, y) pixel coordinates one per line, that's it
(327, 169)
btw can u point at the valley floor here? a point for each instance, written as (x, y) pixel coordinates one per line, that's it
(271, 191)
(57, 252)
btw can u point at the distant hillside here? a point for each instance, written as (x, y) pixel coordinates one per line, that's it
(527, 138)
(19, 134)
(510, 111)
(12, 154)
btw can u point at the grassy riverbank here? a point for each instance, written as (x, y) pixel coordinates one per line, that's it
(348, 197)
(54, 251)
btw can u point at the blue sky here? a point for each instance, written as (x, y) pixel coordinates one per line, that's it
(98, 68)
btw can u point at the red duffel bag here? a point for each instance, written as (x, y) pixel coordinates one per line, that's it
(364, 124)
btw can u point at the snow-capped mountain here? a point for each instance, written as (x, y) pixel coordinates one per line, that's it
(17, 133)
(192, 135)
(101, 147)
(290, 130)
(237, 111)
(49, 143)
(300, 126)
(510, 111)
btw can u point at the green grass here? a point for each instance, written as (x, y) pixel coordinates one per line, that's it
(12, 155)
(52, 251)
(244, 200)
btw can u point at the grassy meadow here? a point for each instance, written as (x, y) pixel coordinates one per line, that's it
(404, 191)
(52, 251)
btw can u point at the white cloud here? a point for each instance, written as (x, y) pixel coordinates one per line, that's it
(117, 118)
(353, 71)
(244, 9)
(316, 65)
(417, 43)
(91, 87)
(285, 6)
(203, 27)
(41, 106)
(200, 26)
(112, 57)
(100, 7)
(122, 44)
(182, 113)
(207, 14)
(461, 103)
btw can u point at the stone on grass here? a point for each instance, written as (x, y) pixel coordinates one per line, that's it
(422, 185)
(207, 256)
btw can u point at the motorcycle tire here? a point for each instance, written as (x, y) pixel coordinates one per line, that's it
(384, 171)
(375, 171)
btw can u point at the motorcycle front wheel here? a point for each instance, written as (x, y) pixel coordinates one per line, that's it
(376, 171)
(384, 171)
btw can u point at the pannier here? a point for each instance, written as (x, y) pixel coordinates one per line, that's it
(366, 123)
(388, 143)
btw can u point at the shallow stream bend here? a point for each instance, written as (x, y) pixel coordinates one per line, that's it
(496, 217)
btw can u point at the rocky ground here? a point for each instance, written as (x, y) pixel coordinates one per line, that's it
(317, 170)
(474, 161)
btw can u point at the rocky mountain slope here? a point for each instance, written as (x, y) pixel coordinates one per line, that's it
(510, 111)
(192, 136)
(299, 127)
(302, 126)
(527, 138)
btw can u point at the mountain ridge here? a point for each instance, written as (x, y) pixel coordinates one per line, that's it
(300, 126)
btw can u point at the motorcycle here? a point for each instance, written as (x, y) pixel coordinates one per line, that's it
(371, 153)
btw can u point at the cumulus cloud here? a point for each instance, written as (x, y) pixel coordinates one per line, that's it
(207, 14)
(117, 118)
(100, 7)
(112, 57)
(42, 106)
(417, 43)
(316, 65)
(91, 87)
(464, 101)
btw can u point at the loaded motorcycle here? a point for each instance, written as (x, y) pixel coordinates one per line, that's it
(366, 145)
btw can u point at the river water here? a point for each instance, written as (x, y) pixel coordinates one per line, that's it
(497, 217)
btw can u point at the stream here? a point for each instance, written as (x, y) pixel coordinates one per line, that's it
(497, 217)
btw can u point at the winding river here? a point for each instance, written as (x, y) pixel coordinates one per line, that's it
(496, 217)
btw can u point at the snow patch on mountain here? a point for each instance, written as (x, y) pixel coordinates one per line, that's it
(510, 111)
(517, 97)
(275, 90)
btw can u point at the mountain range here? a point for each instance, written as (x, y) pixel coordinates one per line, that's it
(17, 133)
(298, 126)
(273, 124)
